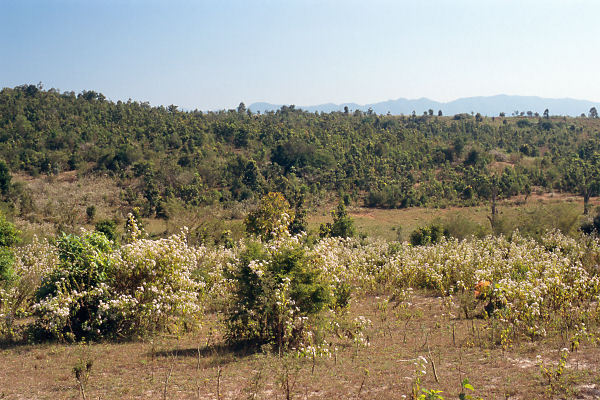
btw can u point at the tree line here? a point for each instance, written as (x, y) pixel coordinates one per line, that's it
(158, 154)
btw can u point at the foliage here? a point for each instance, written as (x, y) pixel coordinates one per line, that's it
(5, 178)
(153, 288)
(342, 225)
(9, 235)
(31, 263)
(70, 295)
(277, 290)
(284, 291)
(554, 374)
(7, 259)
(160, 153)
(96, 291)
(108, 228)
(90, 212)
(463, 395)
(428, 235)
(583, 177)
(273, 213)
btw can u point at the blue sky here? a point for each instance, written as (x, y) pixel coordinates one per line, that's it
(214, 54)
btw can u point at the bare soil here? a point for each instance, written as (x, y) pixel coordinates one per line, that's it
(202, 366)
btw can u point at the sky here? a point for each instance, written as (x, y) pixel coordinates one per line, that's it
(212, 55)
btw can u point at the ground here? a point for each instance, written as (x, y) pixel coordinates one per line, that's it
(200, 365)
(60, 202)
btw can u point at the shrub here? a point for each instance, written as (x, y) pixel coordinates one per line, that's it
(90, 213)
(95, 291)
(277, 292)
(428, 235)
(273, 213)
(29, 264)
(108, 227)
(342, 226)
(7, 260)
(9, 235)
(70, 295)
(153, 289)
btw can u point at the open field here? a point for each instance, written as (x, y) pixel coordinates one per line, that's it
(197, 365)
(59, 202)
(532, 335)
(442, 320)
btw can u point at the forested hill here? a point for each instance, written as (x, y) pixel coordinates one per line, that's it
(159, 153)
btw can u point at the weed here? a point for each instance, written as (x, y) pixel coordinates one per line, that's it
(553, 375)
(82, 371)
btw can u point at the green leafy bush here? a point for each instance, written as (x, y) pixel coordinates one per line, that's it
(342, 225)
(277, 292)
(70, 296)
(428, 235)
(96, 291)
(108, 227)
(9, 235)
(7, 259)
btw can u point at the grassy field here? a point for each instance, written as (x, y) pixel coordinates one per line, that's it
(202, 366)
(387, 224)
(60, 202)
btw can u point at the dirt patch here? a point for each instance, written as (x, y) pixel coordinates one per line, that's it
(383, 370)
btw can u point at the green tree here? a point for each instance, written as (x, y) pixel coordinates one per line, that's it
(593, 113)
(583, 177)
(5, 178)
(342, 225)
(272, 214)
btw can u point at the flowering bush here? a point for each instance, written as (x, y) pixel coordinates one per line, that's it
(97, 291)
(31, 263)
(70, 294)
(271, 217)
(276, 289)
(537, 286)
(153, 287)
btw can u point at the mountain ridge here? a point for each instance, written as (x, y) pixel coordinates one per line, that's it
(486, 105)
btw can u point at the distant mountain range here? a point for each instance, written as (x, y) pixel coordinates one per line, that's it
(486, 105)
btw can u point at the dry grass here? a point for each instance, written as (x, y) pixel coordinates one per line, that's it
(61, 202)
(384, 223)
(202, 366)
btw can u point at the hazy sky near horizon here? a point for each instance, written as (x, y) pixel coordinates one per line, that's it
(214, 54)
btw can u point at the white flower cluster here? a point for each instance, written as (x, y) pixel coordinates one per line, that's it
(32, 262)
(533, 286)
(149, 286)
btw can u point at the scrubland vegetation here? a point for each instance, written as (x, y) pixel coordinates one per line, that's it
(294, 303)
(153, 253)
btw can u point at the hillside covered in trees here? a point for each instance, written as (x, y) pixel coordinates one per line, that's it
(157, 154)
